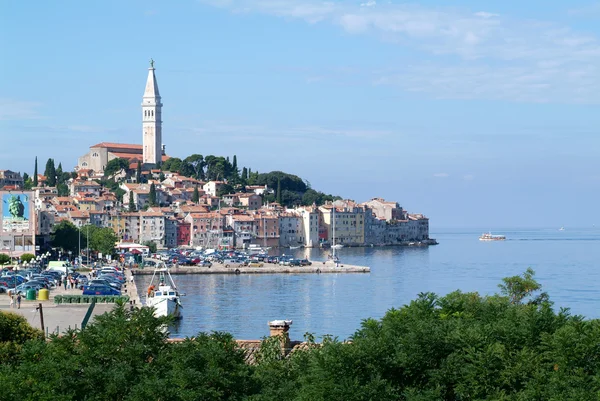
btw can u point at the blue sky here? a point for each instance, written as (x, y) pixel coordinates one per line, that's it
(483, 114)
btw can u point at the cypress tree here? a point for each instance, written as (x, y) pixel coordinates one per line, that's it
(138, 173)
(279, 191)
(35, 174)
(152, 195)
(131, 203)
(50, 173)
(234, 166)
(196, 195)
(244, 173)
(59, 174)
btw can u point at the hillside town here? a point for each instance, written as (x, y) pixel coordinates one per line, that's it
(235, 220)
(146, 196)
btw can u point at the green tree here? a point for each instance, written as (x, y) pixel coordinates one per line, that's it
(172, 164)
(62, 189)
(234, 167)
(103, 240)
(161, 176)
(196, 195)
(115, 166)
(27, 181)
(59, 174)
(27, 257)
(50, 173)
(152, 195)
(35, 173)
(138, 172)
(4, 259)
(244, 174)
(224, 190)
(65, 235)
(131, 202)
(517, 288)
(279, 191)
(196, 162)
(151, 245)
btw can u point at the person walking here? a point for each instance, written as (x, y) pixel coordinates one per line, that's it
(19, 301)
(12, 300)
(65, 282)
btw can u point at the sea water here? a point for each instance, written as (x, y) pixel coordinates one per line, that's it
(566, 264)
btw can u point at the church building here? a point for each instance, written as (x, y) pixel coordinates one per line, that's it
(150, 152)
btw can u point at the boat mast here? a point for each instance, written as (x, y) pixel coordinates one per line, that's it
(333, 236)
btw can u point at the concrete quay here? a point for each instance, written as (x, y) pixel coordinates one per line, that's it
(268, 268)
(60, 318)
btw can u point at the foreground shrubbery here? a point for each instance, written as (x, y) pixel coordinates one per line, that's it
(462, 346)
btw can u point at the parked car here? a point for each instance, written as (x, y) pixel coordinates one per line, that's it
(272, 259)
(305, 262)
(100, 290)
(254, 264)
(204, 263)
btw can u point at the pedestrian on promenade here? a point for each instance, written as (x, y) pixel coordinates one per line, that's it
(19, 301)
(65, 282)
(12, 300)
(131, 278)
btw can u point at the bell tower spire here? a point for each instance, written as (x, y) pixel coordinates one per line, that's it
(152, 120)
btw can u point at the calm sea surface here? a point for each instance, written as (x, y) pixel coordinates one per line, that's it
(566, 264)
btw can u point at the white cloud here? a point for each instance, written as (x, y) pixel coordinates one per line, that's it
(12, 109)
(468, 177)
(441, 175)
(471, 54)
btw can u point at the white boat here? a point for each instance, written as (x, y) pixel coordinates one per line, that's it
(337, 246)
(163, 295)
(295, 247)
(561, 229)
(491, 237)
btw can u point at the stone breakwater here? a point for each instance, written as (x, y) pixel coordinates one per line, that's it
(267, 268)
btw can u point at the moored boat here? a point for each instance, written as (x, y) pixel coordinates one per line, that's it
(491, 237)
(163, 294)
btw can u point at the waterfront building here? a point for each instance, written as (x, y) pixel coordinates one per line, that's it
(170, 232)
(385, 210)
(310, 225)
(132, 226)
(290, 229)
(243, 229)
(152, 228)
(206, 228)
(266, 228)
(349, 223)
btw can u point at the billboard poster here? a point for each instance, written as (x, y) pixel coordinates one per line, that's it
(15, 212)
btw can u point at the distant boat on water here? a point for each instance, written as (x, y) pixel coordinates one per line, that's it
(491, 237)
(561, 229)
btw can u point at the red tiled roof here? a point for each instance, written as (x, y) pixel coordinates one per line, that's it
(117, 145)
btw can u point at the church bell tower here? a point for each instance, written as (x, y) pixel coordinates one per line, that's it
(152, 120)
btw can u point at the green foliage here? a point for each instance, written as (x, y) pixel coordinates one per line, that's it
(62, 189)
(138, 173)
(151, 245)
(27, 257)
(35, 173)
(50, 173)
(66, 236)
(517, 288)
(196, 195)
(131, 206)
(4, 259)
(196, 162)
(462, 346)
(115, 166)
(225, 189)
(14, 332)
(99, 239)
(152, 195)
(288, 181)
